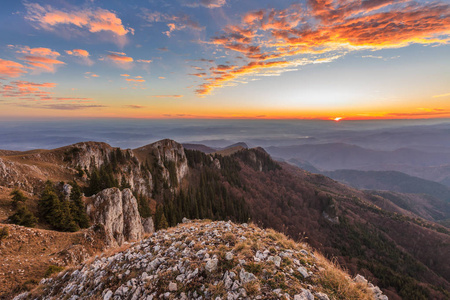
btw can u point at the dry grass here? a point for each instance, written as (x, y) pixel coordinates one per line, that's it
(252, 288)
(337, 283)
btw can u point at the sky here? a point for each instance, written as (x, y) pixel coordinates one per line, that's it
(209, 59)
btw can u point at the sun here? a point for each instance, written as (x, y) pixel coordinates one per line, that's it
(337, 119)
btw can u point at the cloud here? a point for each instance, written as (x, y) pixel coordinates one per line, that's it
(173, 22)
(37, 95)
(39, 59)
(36, 91)
(90, 74)
(38, 51)
(423, 112)
(120, 58)
(321, 31)
(72, 106)
(206, 3)
(161, 77)
(134, 106)
(10, 68)
(167, 96)
(93, 20)
(78, 52)
(125, 75)
(81, 55)
(442, 95)
(146, 61)
(135, 80)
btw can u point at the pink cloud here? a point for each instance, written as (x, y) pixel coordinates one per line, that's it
(10, 68)
(135, 80)
(78, 52)
(167, 96)
(271, 41)
(38, 51)
(93, 20)
(120, 58)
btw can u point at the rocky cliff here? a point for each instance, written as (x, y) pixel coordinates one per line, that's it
(118, 212)
(208, 260)
(29, 170)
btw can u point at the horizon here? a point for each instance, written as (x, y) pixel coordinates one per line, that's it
(133, 133)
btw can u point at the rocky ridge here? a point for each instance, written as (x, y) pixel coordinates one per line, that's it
(29, 170)
(208, 260)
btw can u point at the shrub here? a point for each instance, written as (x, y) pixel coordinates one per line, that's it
(17, 197)
(52, 269)
(4, 233)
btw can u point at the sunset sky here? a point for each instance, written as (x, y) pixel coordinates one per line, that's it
(308, 59)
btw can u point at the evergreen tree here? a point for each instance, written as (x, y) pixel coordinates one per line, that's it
(143, 206)
(55, 212)
(124, 183)
(17, 197)
(163, 223)
(77, 207)
(23, 217)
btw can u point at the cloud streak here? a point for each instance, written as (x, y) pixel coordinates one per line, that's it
(173, 22)
(11, 69)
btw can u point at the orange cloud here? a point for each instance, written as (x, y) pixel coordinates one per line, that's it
(135, 80)
(93, 20)
(78, 52)
(17, 89)
(38, 51)
(321, 31)
(147, 61)
(167, 96)
(10, 68)
(90, 74)
(120, 58)
(124, 75)
(41, 63)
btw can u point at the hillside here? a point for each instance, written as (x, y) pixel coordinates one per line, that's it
(208, 260)
(335, 156)
(403, 254)
(28, 254)
(434, 207)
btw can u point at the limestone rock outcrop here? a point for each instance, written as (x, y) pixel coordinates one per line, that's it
(118, 212)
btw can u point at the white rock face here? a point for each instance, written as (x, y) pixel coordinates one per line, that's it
(118, 212)
(169, 150)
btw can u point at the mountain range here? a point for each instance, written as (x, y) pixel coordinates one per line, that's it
(372, 234)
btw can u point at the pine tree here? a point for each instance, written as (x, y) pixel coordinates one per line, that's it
(124, 183)
(23, 217)
(77, 207)
(163, 223)
(17, 197)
